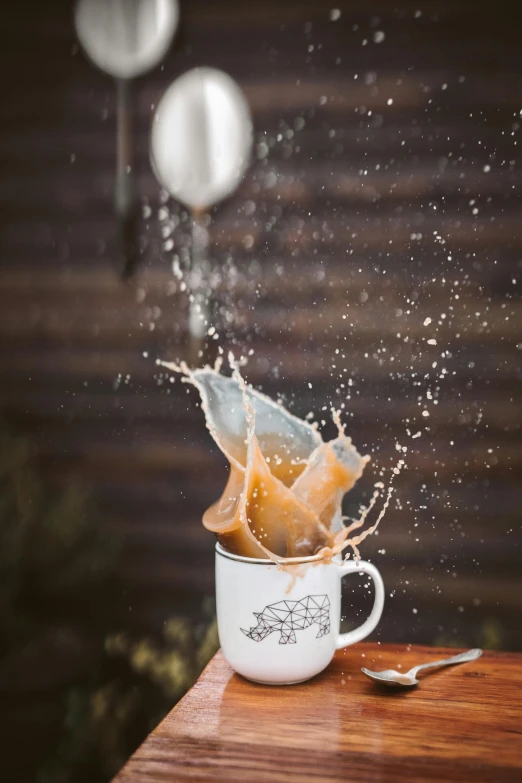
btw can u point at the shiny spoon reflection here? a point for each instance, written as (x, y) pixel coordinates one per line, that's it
(408, 679)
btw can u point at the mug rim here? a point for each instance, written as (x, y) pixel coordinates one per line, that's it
(266, 562)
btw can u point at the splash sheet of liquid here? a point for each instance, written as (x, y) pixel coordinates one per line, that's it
(284, 493)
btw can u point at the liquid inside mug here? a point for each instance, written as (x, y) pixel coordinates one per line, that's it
(277, 637)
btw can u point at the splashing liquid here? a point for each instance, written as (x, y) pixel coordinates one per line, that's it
(284, 493)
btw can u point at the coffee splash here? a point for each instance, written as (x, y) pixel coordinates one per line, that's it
(284, 493)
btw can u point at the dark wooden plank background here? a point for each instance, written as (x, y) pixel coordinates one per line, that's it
(367, 209)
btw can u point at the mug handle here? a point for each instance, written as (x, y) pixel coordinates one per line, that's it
(351, 567)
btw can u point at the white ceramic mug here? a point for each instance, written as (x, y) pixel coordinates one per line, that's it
(280, 636)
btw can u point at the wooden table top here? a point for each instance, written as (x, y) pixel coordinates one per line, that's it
(462, 723)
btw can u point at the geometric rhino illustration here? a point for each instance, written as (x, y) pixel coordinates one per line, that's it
(287, 617)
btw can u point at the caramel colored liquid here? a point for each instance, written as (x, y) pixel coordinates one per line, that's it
(284, 491)
(295, 519)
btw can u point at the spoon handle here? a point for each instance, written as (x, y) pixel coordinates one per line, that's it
(124, 186)
(470, 655)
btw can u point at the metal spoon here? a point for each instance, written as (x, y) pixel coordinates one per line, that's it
(200, 146)
(126, 38)
(408, 679)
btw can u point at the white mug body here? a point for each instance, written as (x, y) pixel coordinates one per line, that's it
(277, 629)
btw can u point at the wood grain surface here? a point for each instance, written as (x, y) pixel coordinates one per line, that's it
(460, 724)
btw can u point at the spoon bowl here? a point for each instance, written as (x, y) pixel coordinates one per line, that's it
(395, 679)
(392, 678)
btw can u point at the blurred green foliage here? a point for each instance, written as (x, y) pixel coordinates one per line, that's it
(490, 635)
(48, 542)
(51, 550)
(104, 725)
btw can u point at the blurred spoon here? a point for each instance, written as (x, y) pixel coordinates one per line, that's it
(125, 39)
(408, 679)
(200, 146)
